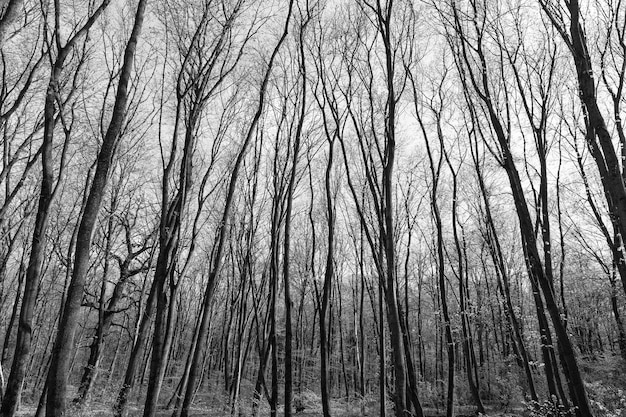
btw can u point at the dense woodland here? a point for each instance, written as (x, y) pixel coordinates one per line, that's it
(318, 207)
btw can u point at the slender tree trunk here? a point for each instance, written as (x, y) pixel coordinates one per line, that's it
(621, 334)
(568, 355)
(468, 351)
(272, 339)
(104, 323)
(391, 294)
(220, 242)
(21, 356)
(136, 354)
(598, 136)
(382, 352)
(361, 352)
(527, 231)
(502, 276)
(441, 277)
(264, 355)
(178, 395)
(288, 392)
(412, 386)
(165, 303)
(116, 352)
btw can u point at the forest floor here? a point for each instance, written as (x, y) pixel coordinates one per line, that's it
(104, 410)
(606, 388)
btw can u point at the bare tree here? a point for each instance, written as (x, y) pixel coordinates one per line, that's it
(221, 235)
(53, 103)
(475, 71)
(59, 368)
(435, 106)
(613, 70)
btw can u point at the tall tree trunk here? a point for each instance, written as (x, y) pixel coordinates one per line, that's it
(97, 343)
(412, 396)
(163, 324)
(221, 238)
(134, 360)
(435, 168)
(288, 392)
(329, 274)
(46, 197)
(468, 351)
(11, 397)
(602, 150)
(621, 334)
(534, 265)
(106, 313)
(502, 275)
(59, 368)
(388, 239)
(382, 354)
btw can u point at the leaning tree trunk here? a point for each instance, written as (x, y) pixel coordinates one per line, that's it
(47, 193)
(105, 322)
(134, 360)
(61, 353)
(198, 353)
(11, 397)
(502, 276)
(481, 86)
(598, 137)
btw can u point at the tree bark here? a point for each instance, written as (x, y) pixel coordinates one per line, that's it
(59, 368)
(288, 391)
(47, 193)
(9, 10)
(534, 265)
(136, 354)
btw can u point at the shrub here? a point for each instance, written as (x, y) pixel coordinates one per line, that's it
(606, 400)
(548, 408)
